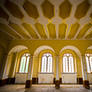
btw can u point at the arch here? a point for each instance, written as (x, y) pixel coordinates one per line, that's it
(15, 50)
(89, 50)
(39, 49)
(90, 47)
(88, 55)
(37, 58)
(77, 56)
(75, 49)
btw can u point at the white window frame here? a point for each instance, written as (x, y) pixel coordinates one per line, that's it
(68, 66)
(89, 62)
(24, 68)
(48, 64)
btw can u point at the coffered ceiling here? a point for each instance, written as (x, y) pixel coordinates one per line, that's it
(46, 19)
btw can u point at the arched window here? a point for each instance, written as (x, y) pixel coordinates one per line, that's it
(46, 65)
(24, 63)
(89, 62)
(68, 63)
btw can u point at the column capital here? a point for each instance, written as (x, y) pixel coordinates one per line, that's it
(82, 54)
(57, 55)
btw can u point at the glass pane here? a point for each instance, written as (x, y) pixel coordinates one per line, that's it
(43, 69)
(27, 64)
(65, 64)
(46, 63)
(49, 64)
(88, 68)
(71, 65)
(22, 65)
(91, 63)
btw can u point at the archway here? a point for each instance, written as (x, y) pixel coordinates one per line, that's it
(42, 76)
(88, 55)
(73, 61)
(12, 63)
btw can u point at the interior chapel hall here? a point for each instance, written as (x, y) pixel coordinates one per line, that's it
(46, 45)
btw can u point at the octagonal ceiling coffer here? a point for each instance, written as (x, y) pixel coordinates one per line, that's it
(31, 9)
(14, 9)
(48, 9)
(3, 14)
(82, 9)
(65, 9)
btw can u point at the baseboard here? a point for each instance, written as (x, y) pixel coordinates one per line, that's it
(79, 80)
(34, 80)
(54, 80)
(11, 81)
(3, 82)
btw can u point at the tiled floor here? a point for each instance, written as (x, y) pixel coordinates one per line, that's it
(44, 88)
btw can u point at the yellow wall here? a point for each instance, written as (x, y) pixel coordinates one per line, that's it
(56, 45)
(1, 57)
(3, 51)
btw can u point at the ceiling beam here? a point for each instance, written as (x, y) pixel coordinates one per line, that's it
(87, 32)
(10, 16)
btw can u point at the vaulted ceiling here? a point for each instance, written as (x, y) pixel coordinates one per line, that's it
(46, 19)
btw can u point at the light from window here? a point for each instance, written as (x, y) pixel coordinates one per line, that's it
(89, 62)
(24, 63)
(46, 66)
(68, 63)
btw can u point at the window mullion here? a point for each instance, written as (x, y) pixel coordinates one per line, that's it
(68, 63)
(46, 63)
(25, 64)
(89, 63)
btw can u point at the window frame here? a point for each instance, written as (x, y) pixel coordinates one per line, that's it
(46, 64)
(73, 65)
(24, 54)
(88, 57)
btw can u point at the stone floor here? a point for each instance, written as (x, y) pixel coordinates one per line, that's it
(44, 88)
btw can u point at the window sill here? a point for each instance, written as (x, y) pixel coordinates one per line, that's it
(90, 73)
(21, 73)
(45, 73)
(70, 73)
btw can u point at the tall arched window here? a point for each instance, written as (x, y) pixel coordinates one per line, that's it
(46, 65)
(24, 63)
(68, 63)
(89, 62)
